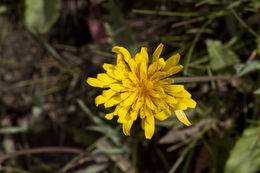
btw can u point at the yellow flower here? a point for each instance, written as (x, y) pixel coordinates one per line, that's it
(136, 88)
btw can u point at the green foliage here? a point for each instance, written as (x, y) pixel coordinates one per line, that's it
(2, 9)
(117, 27)
(40, 15)
(13, 130)
(243, 69)
(93, 168)
(220, 56)
(245, 156)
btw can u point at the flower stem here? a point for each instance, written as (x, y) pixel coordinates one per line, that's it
(204, 78)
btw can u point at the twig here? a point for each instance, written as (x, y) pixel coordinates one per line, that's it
(50, 49)
(81, 161)
(41, 150)
(13, 170)
(165, 13)
(203, 78)
(252, 56)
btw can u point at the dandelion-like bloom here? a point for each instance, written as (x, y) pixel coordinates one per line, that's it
(137, 88)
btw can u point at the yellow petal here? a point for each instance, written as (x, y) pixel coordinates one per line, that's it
(112, 101)
(157, 52)
(147, 112)
(149, 127)
(134, 114)
(180, 105)
(122, 115)
(162, 115)
(143, 123)
(139, 103)
(173, 70)
(133, 66)
(160, 103)
(182, 117)
(138, 58)
(97, 83)
(143, 71)
(189, 102)
(182, 93)
(127, 83)
(158, 75)
(125, 95)
(173, 88)
(171, 100)
(133, 77)
(110, 70)
(122, 67)
(108, 67)
(152, 68)
(122, 53)
(127, 126)
(118, 73)
(100, 100)
(144, 54)
(117, 109)
(165, 81)
(149, 103)
(117, 87)
(142, 113)
(161, 64)
(130, 100)
(109, 116)
(105, 78)
(172, 61)
(108, 93)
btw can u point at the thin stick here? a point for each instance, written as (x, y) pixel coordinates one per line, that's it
(41, 150)
(203, 78)
(240, 20)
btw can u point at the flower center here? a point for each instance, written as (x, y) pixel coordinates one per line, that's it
(144, 87)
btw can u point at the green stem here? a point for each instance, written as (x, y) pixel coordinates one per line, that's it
(240, 20)
(190, 51)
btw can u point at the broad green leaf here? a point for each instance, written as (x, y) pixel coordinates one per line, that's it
(40, 15)
(219, 55)
(243, 69)
(245, 156)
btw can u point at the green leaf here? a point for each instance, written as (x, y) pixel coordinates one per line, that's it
(2, 9)
(13, 130)
(257, 92)
(93, 168)
(245, 156)
(219, 55)
(40, 15)
(243, 69)
(110, 150)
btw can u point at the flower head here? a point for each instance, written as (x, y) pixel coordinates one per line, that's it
(139, 89)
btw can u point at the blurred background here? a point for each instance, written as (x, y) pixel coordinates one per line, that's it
(48, 119)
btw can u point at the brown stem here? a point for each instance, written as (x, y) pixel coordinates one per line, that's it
(41, 150)
(203, 78)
